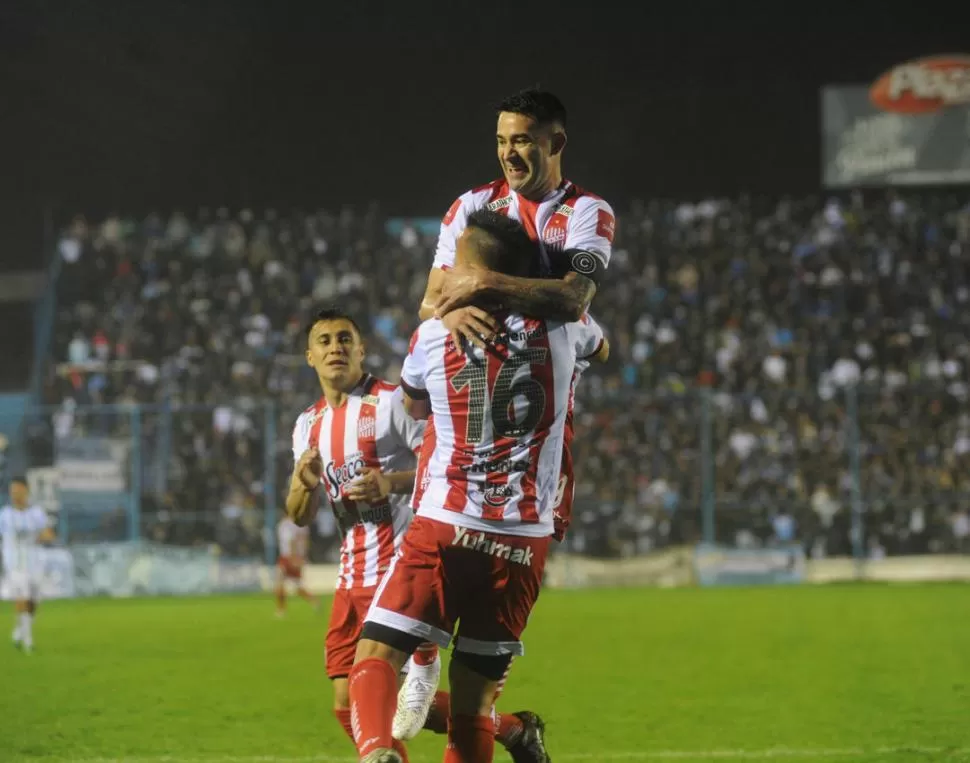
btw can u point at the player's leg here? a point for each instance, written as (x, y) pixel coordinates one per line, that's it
(24, 592)
(511, 729)
(27, 620)
(417, 695)
(491, 623)
(341, 644)
(280, 590)
(304, 594)
(19, 607)
(408, 609)
(473, 680)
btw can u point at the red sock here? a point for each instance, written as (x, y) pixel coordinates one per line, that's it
(471, 739)
(437, 722)
(343, 718)
(508, 729)
(401, 750)
(373, 700)
(425, 654)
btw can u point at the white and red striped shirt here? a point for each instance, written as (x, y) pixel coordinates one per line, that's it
(492, 459)
(370, 429)
(293, 539)
(568, 218)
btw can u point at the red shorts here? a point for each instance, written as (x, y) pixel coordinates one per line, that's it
(346, 621)
(487, 583)
(290, 568)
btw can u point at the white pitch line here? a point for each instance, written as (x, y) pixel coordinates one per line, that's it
(772, 753)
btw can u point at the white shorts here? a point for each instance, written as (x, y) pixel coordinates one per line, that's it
(19, 585)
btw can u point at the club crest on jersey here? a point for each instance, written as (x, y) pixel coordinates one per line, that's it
(337, 477)
(494, 206)
(366, 428)
(554, 236)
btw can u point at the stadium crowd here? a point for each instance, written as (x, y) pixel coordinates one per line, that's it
(788, 339)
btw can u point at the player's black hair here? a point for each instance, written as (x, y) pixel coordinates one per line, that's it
(541, 105)
(330, 314)
(19, 478)
(506, 247)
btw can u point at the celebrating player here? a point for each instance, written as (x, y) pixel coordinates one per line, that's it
(572, 227)
(23, 527)
(358, 441)
(476, 551)
(293, 543)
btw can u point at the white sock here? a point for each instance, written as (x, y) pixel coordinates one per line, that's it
(27, 628)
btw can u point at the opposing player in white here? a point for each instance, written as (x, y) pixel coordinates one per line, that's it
(23, 528)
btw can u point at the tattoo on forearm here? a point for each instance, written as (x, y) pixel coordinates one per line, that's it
(563, 300)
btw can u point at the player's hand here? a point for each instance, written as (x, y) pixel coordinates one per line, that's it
(309, 468)
(458, 288)
(472, 324)
(370, 486)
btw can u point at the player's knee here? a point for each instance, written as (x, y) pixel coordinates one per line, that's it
(380, 642)
(341, 694)
(474, 680)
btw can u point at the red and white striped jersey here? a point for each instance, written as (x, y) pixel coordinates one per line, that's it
(492, 459)
(569, 218)
(293, 539)
(370, 429)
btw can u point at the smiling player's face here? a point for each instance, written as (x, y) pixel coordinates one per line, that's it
(336, 352)
(528, 153)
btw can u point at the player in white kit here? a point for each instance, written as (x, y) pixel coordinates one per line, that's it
(23, 528)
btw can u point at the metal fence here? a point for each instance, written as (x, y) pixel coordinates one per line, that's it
(853, 471)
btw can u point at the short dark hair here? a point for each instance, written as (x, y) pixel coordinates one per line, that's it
(19, 478)
(510, 250)
(330, 314)
(541, 105)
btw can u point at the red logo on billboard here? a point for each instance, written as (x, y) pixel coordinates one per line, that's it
(923, 86)
(605, 225)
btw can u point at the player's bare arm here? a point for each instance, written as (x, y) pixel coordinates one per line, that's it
(303, 498)
(372, 485)
(417, 407)
(565, 299)
(432, 293)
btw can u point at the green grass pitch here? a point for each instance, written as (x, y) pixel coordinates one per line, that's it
(845, 673)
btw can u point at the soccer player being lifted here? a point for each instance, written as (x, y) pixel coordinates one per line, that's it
(486, 488)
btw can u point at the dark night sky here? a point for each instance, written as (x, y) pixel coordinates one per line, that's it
(130, 104)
